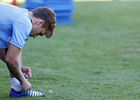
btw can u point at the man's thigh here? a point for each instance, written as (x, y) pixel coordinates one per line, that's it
(2, 54)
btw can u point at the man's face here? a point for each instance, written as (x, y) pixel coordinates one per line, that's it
(37, 29)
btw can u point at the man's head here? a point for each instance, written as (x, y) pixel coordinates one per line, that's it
(44, 22)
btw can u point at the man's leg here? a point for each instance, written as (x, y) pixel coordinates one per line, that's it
(15, 84)
(2, 54)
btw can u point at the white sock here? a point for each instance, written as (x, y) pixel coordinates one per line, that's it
(15, 84)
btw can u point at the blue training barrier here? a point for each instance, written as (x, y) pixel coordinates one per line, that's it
(62, 8)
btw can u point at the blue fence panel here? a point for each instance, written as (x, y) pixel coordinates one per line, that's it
(62, 8)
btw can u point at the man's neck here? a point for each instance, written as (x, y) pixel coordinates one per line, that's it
(30, 14)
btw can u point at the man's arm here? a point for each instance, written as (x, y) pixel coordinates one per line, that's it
(13, 63)
(14, 66)
(25, 70)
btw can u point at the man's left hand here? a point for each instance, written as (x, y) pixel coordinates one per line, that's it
(26, 71)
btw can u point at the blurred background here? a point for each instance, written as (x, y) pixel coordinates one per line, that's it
(94, 54)
(62, 8)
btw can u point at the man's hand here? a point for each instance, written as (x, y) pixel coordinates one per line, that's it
(26, 86)
(26, 71)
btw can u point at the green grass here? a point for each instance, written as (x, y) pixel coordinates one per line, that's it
(96, 58)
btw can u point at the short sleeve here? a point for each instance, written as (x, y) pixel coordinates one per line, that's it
(20, 31)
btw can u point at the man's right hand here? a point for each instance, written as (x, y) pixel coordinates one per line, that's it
(26, 86)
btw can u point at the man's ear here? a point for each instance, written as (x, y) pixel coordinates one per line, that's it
(40, 21)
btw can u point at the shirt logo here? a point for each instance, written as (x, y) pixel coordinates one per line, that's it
(9, 39)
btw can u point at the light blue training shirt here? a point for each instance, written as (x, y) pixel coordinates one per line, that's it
(15, 25)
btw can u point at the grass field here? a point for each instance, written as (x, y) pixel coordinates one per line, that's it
(96, 58)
